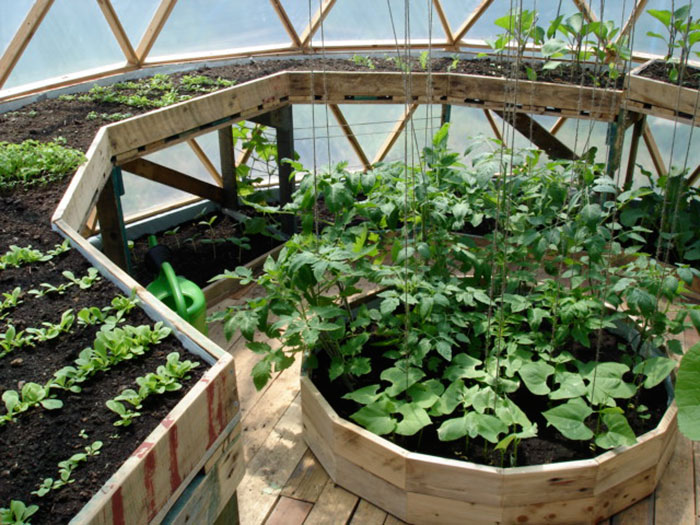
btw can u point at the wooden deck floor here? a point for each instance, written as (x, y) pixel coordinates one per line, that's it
(285, 485)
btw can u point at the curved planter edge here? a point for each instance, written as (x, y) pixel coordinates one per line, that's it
(418, 488)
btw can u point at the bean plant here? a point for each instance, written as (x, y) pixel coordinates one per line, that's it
(459, 328)
(682, 34)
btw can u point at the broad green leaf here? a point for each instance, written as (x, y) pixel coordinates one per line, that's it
(458, 427)
(426, 394)
(336, 369)
(688, 393)
(656, 369)
(389, 304)
(569, 419)
(463, 365)
(489, 427)
(455, 394)
(261, 373)
(605, 383)
(570, 386)
(444, 349)
(258, 347)
(414, 418)
(376, 417)
(52, 404)
(360, 366)
(535, 374)
(401, 379)
(364, 395)
(618, 433)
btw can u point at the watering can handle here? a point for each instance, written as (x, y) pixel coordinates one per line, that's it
(174, 285)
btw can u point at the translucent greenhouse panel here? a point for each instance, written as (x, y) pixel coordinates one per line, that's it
(646, 44)
(11, 16)
(142, 194)
(60, 43)
(217, 25)
(331, 146)
(485, 26)
(135, 17)
(298, 13)
(357, 20)
(417, 134)
(372, 124)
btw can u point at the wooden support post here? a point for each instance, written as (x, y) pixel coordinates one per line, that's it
(445, 114)
(558, 125)
(653, 148)
(109, 213)
(539, 135)
(469, 22)
(494, 126)
(347, 131)
(285, 150)
(634, 147)
(615, 140)
(445, 23)
(228, 168)
(118, 30)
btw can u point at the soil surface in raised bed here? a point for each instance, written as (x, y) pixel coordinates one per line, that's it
(39, 439)
(658, 70)
(548, 447)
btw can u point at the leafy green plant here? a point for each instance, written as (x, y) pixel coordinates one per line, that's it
(683, 34)
(13, 339)
(30, 395)
(66, 469)
(32, 163)
(9, 301)
(50, 331)
(360, 60)
(209, 225)
(18, 513)
(83, 283)
(520, 28)
(174, 234)
(19, 256)
(166, 379)
(458, 328)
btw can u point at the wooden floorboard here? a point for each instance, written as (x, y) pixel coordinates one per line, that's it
(285, 483)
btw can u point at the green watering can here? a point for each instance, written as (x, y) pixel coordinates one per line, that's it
(176, 292)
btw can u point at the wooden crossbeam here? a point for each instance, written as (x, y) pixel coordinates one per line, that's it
(586, 10)
(352, 139)
(22, 37)
(316, 22)
(694, 176)
(288, 27)
(175, 179)
(154, 28)
(443, 20)
(634, 16)
(558, 125)
(654, 151)
(539, 135)
(205, 160)
(494, 126)
(118, 30)
(471, 20)
(394, 135)
(228, 167)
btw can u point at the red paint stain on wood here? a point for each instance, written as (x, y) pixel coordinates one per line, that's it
(175, 478)
(168, 422)
(150, 471)
(118, 508)
(143, 449)
(210, 414)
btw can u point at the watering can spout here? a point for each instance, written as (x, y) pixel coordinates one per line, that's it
(176, 292)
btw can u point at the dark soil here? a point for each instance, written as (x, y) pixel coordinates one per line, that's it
(38, 439)
(548, 447)
(659, 71)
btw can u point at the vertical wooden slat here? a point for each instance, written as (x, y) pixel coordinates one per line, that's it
(109, 214)
(654, 151)
(445, 23)
(284, 126)
(228, 168)
(22, 37)
(357, 148)
(675, 496)
(394, 135)
(118, 30)
(206, 161)
(469, 22)
(634, 148)
(288, 27)
(316, 22)
(154, 28)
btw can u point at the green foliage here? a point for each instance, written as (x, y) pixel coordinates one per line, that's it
(520, 28)
(16, 256)
(34, 163)
(18, 513)
(166, 379)
(688, 394)
(682, 35)
(365, 61)
(66, 468)
(458, 327)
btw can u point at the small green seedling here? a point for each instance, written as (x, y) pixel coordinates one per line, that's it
(18, 513)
